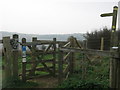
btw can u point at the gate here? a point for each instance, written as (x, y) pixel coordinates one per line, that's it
(42, 52)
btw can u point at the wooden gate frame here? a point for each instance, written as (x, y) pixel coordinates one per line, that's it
(35, 53)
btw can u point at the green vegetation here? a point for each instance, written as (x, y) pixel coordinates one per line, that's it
(97, 76)
(19, 84)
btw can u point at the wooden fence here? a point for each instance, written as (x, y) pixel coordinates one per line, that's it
(64, 50)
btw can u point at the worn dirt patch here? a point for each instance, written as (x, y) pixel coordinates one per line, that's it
(46, 82)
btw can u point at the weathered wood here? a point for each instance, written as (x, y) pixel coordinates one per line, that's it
(60, 67)
(48, 48)
(88, 51)
(50, 41)
(40, 42)
(72, 41)
(34, 65)
(39, 52)
(41, 69)
(118, 68)
(54, 56)
(85, 44)
(39, 61)
(66, 69)
(7, 60)
(24, 71)
(102, 44)
(114, 43)
(67, 44)
(84, 66)
(37, 77)
(65, 57)
(78, 44)
(46, 67)
(15, 56)
(23, 62)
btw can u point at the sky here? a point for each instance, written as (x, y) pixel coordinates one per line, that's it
(54, 16)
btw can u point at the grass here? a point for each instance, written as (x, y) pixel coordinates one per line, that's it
(19, 84)
(97, 76)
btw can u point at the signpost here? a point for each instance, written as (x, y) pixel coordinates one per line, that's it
(114, 43)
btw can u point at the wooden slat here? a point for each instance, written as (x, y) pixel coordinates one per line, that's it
(65, 57)
(48, 48)
(78, 44)
(87, 51)
(49, 52)
(50, 41)
(46, 67)
(66, 44)
(30, 43)
(66, 69)
(38, 76)
(40, 42)
(50, 60)
(40, 69)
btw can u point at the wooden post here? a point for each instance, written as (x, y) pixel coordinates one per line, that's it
(34, 65)
(60, 67)
(15, 56)
(114, 43)
(72, 58)
(118, 69)
(85, 44)
(7, 60)
(102, 44)
(54, 56)
(24, 61)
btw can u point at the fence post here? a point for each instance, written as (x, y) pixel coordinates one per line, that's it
(85, 44)
(15, 56)
(118, 68)
(34, 65)
(114, 43)
(7, 61)
(60, 66)
(102, 44)
(23, 60)
(72, 58)
(54, 56)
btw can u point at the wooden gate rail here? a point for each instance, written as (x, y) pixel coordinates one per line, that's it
(42, 42)
(89, 51)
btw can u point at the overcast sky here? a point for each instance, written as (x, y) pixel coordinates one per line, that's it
(54, 16)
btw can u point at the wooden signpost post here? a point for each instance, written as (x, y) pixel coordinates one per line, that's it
(114, 44)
